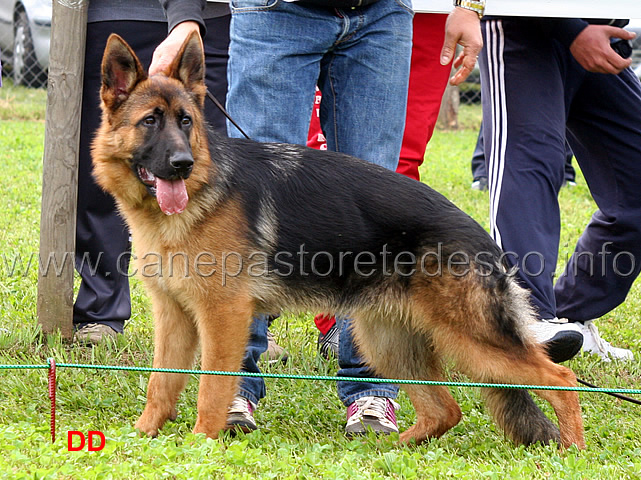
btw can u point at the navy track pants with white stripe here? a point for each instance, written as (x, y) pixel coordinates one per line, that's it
(534, 96)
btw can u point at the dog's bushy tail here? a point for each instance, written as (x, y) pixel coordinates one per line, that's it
(519, 417)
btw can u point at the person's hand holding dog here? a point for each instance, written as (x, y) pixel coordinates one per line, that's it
(166, 52)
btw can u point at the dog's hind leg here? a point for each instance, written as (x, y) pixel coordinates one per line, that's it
(543, 371)
(566, 406)
(517, 413)
(436, 411)
(224, 332)
(393, 351)
(503, 361)
(175, 342)
(482, 329)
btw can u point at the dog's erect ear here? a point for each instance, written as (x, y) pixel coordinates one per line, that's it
(189, 66)
(121, 72)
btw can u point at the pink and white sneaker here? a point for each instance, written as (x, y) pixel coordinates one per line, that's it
(373, 413)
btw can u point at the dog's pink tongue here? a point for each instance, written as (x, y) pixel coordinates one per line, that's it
(171, 195)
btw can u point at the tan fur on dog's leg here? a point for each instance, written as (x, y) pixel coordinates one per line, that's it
(486, 337)
(532, 367)
(565, 404)
(436, 412)
(175, 343)
(224, 335)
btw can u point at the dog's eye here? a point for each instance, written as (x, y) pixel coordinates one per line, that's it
(150, 121)
(186, 121)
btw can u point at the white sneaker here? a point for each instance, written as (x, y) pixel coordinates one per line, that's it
(561, 338)
(593, 343)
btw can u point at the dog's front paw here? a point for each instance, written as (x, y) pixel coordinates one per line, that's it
(149, 423)
(145, 429)
(408, 436)
(210, 430)
(413, 435)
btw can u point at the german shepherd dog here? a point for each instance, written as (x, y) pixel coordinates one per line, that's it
(247, 228)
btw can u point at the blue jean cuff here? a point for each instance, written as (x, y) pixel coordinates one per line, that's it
(249, 396)
(370, 393)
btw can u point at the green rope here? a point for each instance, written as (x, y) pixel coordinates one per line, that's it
(22, 367)
(326, 378)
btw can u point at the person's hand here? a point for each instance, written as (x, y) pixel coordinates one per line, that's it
(462, 27)
(591, 48)
(166, 52)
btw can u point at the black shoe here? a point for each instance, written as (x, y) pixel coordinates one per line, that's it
(561, 339)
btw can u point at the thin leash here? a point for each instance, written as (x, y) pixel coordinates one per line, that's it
(583, 382)
(224, 112)
(616, 395)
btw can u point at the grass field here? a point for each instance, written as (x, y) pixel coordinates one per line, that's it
(301, 422)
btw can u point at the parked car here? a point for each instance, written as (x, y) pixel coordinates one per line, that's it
(25, 27)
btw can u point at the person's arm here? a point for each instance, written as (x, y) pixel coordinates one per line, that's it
(183, 17)
(591, 48)
(179, 11)
(588, 43)
(463, 27)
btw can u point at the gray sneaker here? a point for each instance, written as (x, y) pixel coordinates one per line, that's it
(240, 415)
(94, 333)
(371, 413)
(275, 353)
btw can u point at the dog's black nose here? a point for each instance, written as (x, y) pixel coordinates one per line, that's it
(182, 162)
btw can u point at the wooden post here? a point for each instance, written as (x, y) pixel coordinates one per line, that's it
(448, 114)
(60, 166)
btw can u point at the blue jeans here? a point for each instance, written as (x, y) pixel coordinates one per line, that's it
(253, 388)
(360, 60)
